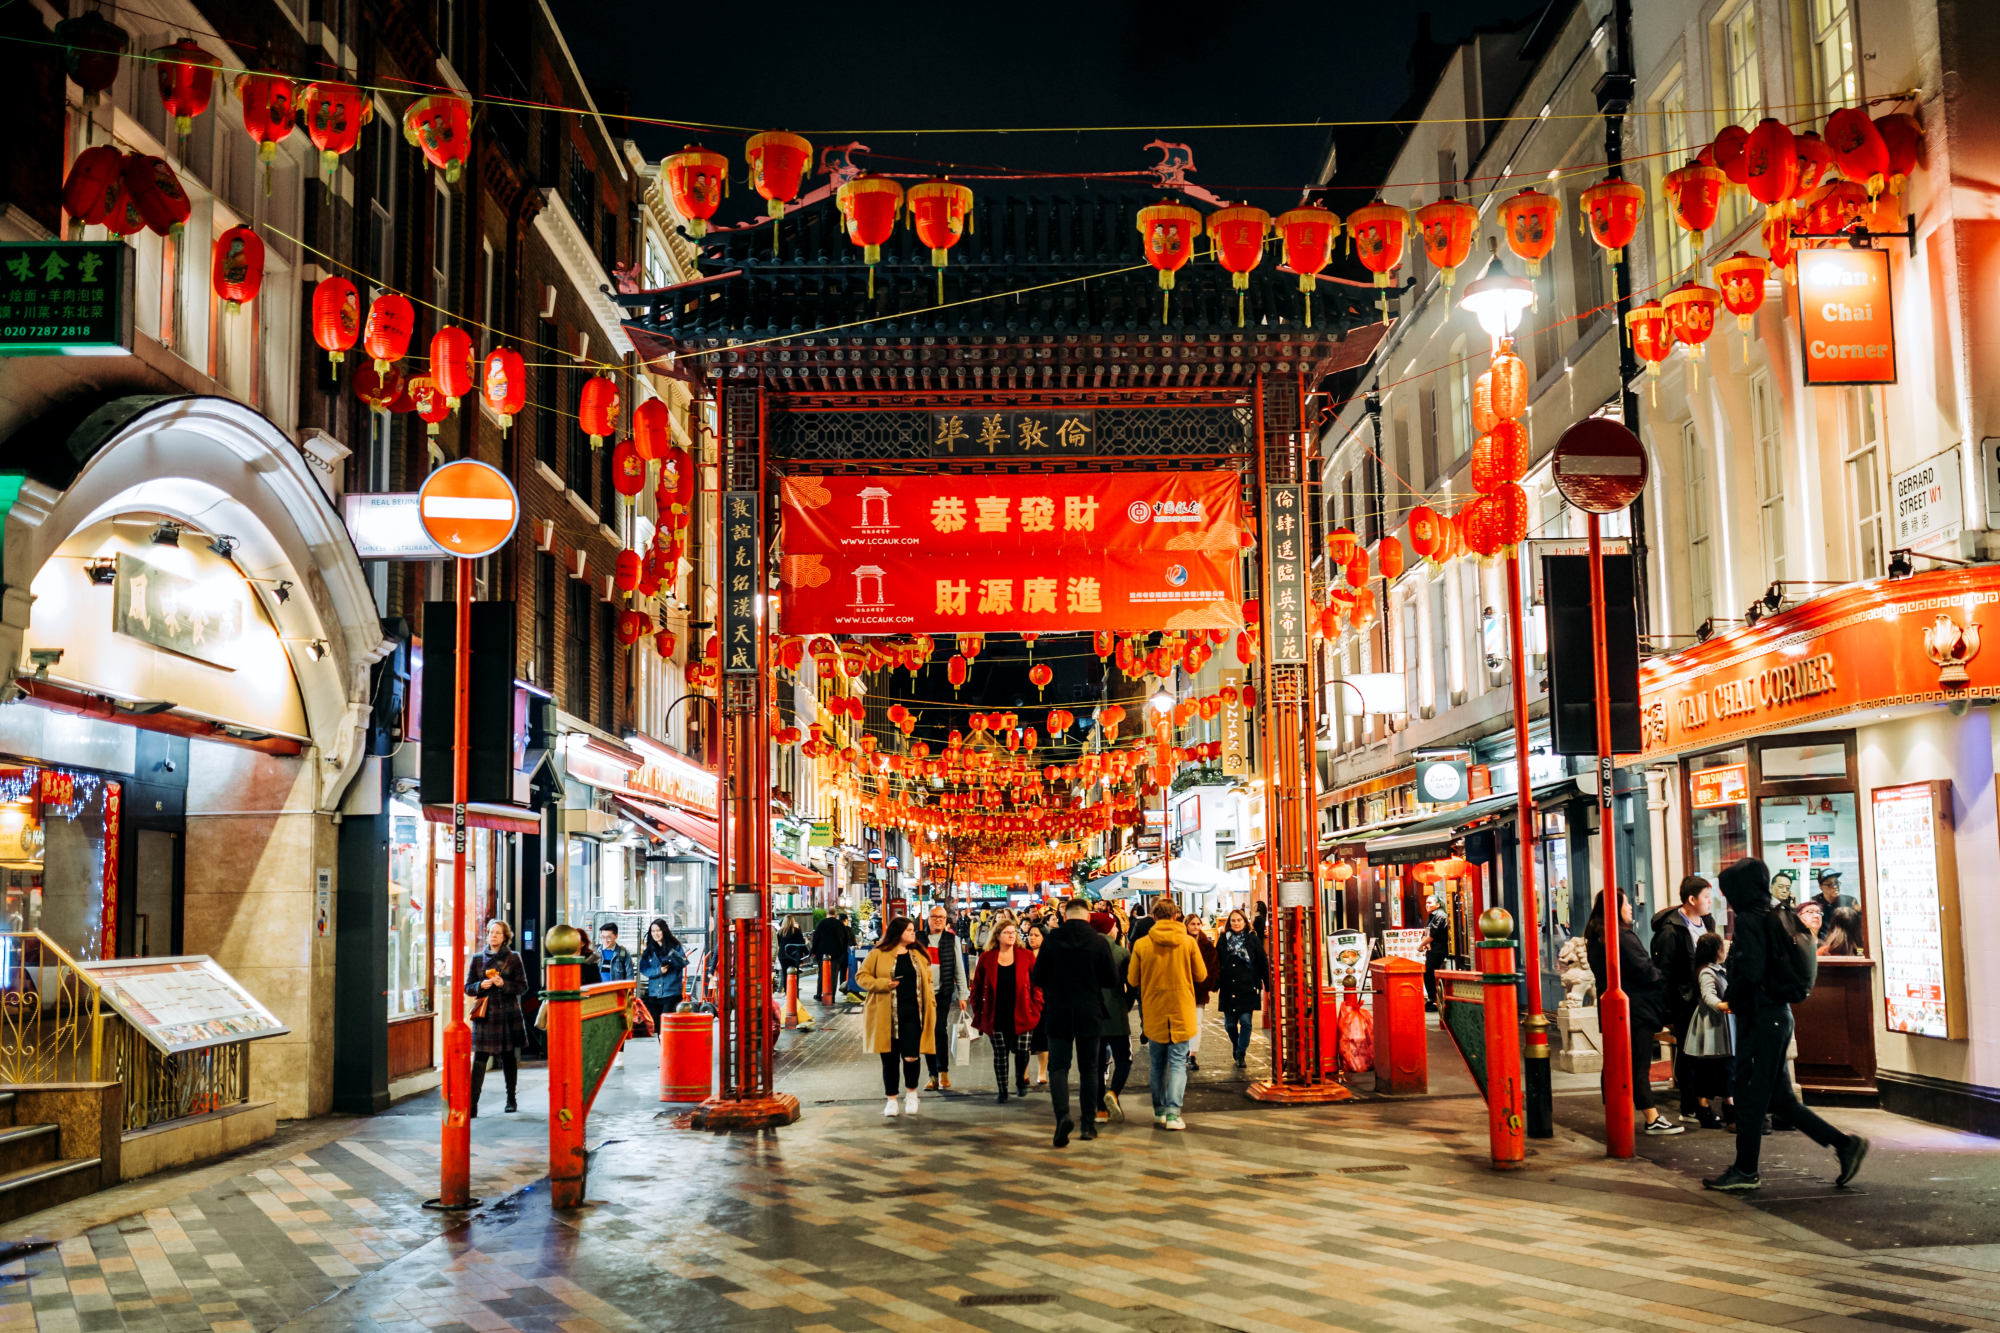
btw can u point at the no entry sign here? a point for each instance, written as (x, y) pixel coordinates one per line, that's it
(469, 508)
(1600, 466)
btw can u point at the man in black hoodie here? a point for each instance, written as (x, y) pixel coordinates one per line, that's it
(1675, 931)
(1763, 1034)
(1073, 971)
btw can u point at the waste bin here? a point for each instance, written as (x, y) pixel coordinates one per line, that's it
(687, 1057)
(1402, 1060)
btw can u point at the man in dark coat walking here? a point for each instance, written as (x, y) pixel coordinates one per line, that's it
(1675, 931)
(1073, 971)
(1439, 926)
(1763, 1035)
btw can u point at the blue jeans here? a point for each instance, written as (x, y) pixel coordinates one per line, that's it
(1169, 1066)
(1238, 1028)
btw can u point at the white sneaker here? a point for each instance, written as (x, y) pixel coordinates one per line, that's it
(1159, 1121)
(893, 1108)
(1174, 1122)
(910, 1103)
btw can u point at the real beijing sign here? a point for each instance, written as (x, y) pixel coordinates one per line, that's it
(1847, 328)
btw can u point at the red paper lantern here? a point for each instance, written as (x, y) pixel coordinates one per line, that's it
(652, 429)
(1447, 227)
(1651, 338)
(156, 195)
(1040, 674)
(628, 470)
(869, 206)
(940, 212)
(1727, 153)
(1356, 571)
(778, 163)
(697, 183)
(441, 126)
(1830, 208)
(1507, 387)
(268, 113)
(659, 570)
(386, 336)
(505, 384)
(430, 401)
(1695, 192)
(1741, 279)
(236, 269)
(1237, 237)
(1427, 531)
(1691, 315)
(1858, 148)
(336, 317)
(96, 183)
(1167, 235)
(1529, 219)
(187, 81)
(1341, 545)
(1507, 515)
(1308, 234)
(1475, 521)
(626, 571)
(122, 217)
(597, 408)
(335, 113)
(1389, 555)
(1815, 162)
(1903, 138)
(665, 642)
(632, 626)
(954, 671)
(1378, 231)
(1771, 164)
(675, 492)
(1103, 642)
(381, 389)
(451, 363)
(94, 47)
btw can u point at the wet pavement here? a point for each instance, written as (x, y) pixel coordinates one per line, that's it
(1374, 1215)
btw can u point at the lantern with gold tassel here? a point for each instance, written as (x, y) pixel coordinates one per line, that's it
(940, 212)
(1167, 233)
(1237, 236)
(1308, 234)
(869, 205)
(1447, 227)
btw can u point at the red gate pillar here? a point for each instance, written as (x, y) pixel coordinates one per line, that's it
(1504, 1096)
(567, 1155)
(745, 1099)
(1299, 1070)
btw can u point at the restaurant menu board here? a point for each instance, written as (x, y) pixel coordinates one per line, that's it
(1347, 960)
(183, 1004)
(1410, 944)
(1916, 892)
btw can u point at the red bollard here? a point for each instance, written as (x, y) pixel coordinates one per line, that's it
(1504, 1094)
(687, 1057)
(826, 981)
(791, 998)
(1402, 1056)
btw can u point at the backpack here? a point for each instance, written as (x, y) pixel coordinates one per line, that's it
(1791, 956)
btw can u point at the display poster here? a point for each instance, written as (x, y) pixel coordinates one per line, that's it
(1347, 960)
(1721, 786)
(182, 1004)
(1410, 944)
(1908, 895)
(1289, 616)
(740, 590)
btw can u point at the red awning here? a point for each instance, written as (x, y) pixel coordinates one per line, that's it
(500, 818)
(653, 816)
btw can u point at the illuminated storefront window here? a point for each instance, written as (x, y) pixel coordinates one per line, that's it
(59, 867)
(409, 912)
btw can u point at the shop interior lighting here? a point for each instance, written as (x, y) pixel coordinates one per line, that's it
(222, 545)
(44, 658)
(168, 533)
(103, 572)
(283, 592)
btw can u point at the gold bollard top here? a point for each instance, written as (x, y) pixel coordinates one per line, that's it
(563, 941)
(1496, 923)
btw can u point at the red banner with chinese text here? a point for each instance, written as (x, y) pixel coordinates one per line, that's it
(946, 554)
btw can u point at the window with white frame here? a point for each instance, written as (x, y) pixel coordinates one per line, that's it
(1831, 32)
(1674, 246)
(1865, 485)
(1411, 665)
(1770, 451)
(1743, 88)
(441, 247)
(1701, 551)
(489, 295)
(1459, 390)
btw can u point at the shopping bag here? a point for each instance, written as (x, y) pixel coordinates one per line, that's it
(961, 1042)
(642, 1018)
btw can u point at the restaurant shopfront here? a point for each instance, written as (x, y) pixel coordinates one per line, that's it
(1848, 743)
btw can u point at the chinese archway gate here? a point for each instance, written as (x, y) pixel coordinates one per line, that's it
(816, 373)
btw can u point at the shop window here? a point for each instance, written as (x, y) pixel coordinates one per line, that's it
(581, 887)
(1719, 810)
(1831, 32)
(1823, 759)
(409, 978)
(1806, 837)
(1770, 448)
(58, 867)
(1865, 486)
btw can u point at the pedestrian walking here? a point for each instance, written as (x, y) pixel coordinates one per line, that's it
(1644, 993)
(1072, 972)
(1242, 967)
(1772, 964)
(1006, 1006)
(948, 971)
(1435, 945)
(1708, 1056)
(1197, 930)
(614, 960)
(1115, 1062)
(1262, 923)
(1165, 967)
(794, 950)
(896, 1021)
(829, 944)
(1676, 930)
(1038, 1041)
(497, 980)
(663, 967)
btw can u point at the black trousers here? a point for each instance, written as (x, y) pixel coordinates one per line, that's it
(1118, 1055)
(1432, 962)
(1063, 1041)
(1764, 1084)
(1642, 1064)
(910, 1066)
(1686, 1077)
(939, 1061)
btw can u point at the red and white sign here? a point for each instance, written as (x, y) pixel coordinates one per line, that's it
(1721, 786)
(469, 508)
(1847, 326)
(1600, 466)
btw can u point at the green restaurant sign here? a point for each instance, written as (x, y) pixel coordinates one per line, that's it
(65, 298)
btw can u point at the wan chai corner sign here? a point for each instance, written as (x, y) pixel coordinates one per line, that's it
(1847, 323)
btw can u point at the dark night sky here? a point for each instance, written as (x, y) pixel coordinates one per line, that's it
(841, 72)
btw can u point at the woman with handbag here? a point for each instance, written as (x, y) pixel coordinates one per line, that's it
(663, 966)
(497, 980)
(899, 1018)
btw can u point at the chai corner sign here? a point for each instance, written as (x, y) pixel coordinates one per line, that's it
(1847, 326)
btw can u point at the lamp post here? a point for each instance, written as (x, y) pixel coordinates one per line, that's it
(1498, 300)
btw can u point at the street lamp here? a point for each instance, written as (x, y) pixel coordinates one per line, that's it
(1162, 702)
(1497, 298)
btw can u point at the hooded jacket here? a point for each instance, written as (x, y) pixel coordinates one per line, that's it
(1165, 967)
(1673, 954)
(1746, 886)
(1644, 990)
(1072, 972)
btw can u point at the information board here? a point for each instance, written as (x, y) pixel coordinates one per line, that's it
(65, 298)
(182, 1004)
(1916, 886)
(1347, 960)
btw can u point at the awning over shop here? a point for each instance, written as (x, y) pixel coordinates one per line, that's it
(1431, 838)
(664, 820)
(1183, 875)
(499, 818)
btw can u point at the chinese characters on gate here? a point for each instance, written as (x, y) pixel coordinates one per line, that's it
(740, 590)
(1287, 619)
(976, 434)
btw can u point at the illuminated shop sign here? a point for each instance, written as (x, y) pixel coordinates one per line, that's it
(1847, 327)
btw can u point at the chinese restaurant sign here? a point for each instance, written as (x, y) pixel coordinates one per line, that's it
(1287, 618)
(977, 434)
(65, 298)
(739, 582)
(199, 618)
(1847, 328)
(1903, 641)
(951, 553)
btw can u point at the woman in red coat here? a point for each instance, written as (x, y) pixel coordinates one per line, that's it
(1006, 1005)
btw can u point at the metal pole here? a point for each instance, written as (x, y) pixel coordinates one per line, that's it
(455, 1170)
(1613, 1011)
(1538, 1087)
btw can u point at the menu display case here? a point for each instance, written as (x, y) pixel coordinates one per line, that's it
(1916, 880)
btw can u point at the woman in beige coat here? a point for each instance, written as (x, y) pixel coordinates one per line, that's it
(899, 1018)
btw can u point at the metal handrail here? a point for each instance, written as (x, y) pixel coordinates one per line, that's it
(67, 974)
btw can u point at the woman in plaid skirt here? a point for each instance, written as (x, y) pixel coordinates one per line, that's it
(1006, 1007)
(498, 978)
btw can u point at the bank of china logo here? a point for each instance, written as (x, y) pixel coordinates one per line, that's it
(1177, 575)
(1139, 511)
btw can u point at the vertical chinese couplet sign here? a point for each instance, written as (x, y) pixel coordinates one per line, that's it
(1287, 624)
(739, 582)
(952, 553)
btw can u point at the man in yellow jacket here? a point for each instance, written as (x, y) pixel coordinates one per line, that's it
(1166, 964)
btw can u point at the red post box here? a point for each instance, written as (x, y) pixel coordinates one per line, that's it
(1402, 1060)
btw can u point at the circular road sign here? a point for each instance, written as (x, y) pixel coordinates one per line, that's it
(469, 508)
(1600, 466)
